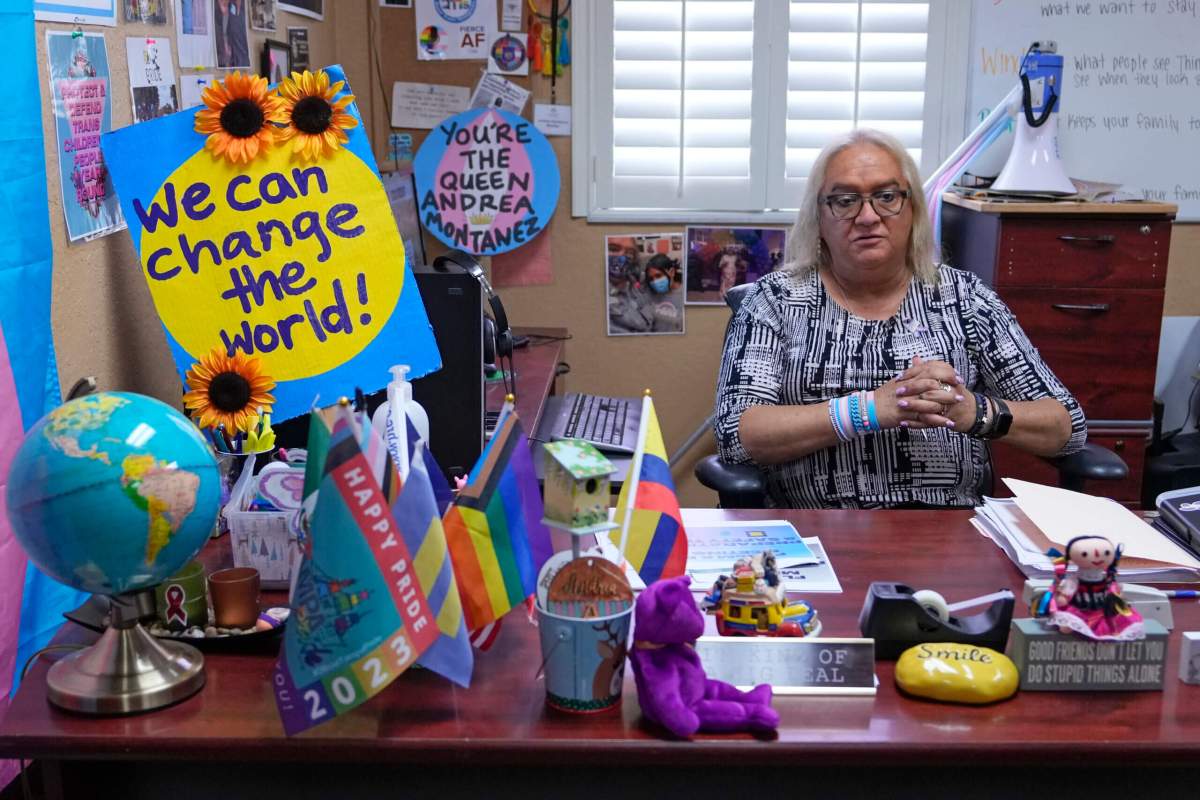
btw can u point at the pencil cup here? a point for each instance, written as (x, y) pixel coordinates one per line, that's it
(230, 467)
(234, 597)
(584, 660)
(182, 599)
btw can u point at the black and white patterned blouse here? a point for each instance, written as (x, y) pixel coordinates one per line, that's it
(790, 344)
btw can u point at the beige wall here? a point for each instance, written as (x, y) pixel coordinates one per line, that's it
(105, 324)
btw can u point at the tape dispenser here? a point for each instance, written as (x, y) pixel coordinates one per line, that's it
(897, 617)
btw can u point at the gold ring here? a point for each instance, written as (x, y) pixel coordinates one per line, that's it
(945, 387)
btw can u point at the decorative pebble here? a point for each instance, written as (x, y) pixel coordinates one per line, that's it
(236, 631)
(210, 631)
(194, 633)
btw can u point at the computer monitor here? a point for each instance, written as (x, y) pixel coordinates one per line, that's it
(453, 396)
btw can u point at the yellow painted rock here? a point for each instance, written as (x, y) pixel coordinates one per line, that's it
(956, 673)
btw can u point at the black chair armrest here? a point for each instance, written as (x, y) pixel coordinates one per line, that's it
(737, 485)
(1092, 463)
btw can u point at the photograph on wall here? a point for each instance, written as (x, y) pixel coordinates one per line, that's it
(276, 61)
(306, 8)
(720, 258)
(230, 34)
(401, 192)
(79, 85)
(298, 44)
(149, 12)
(87, 12)
(262, 15)
(645, 283)
(194, 26)
(454, 29)
(151, 77)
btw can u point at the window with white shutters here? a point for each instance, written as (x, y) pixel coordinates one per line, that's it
(715, 109)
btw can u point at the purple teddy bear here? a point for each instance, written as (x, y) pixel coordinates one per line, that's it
(672, 688)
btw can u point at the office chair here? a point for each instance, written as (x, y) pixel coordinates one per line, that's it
(744, 486)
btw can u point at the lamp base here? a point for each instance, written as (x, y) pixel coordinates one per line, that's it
(125, 672)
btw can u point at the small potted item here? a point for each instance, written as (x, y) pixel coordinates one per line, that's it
(753, 602)
(1089, 602)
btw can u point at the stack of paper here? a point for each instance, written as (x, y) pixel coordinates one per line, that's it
(1040, 517)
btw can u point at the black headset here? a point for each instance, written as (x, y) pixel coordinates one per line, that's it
(502, 335)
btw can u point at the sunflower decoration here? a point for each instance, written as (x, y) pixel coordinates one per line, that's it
(227, 390)
(239, 117)
(315, 123)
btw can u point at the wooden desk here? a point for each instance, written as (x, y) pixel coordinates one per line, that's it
(536, 365)
(498, 738)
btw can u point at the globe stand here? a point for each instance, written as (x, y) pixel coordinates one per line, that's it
(127, 670)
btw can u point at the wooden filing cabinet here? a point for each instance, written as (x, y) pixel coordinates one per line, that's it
(1086, 283)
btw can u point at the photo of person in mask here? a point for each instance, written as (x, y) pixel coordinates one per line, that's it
(645, 287)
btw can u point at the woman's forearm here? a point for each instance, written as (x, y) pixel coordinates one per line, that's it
(775, 434)
(1040, 427)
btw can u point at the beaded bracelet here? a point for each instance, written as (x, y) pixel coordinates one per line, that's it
(853, 415)
(981, 415)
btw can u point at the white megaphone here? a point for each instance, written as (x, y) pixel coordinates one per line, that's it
(1034, 165)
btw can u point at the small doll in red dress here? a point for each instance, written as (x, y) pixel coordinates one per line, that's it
(1089, 600)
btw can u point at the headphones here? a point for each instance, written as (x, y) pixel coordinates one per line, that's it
(497, 331)
(468, 264)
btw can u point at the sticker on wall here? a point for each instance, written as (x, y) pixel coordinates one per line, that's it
(454, 29)
(487, 181)
(507, 54)
(277, 242)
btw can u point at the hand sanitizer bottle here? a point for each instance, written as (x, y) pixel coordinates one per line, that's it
(389, 417)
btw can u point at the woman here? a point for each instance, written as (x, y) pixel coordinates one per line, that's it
(665, 302)
(864, 375)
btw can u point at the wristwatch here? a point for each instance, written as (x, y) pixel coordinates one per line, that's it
(1003, 420)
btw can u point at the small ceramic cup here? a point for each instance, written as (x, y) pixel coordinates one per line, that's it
(234, 595)
(181, 600)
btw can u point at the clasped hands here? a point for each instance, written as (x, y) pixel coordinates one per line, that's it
(929, 394)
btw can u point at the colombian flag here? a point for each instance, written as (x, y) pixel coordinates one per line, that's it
(494, 529)
(651, 536)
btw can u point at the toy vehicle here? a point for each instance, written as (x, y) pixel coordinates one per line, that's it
(753, 603)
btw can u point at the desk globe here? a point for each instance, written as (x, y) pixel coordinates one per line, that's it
(112, 493)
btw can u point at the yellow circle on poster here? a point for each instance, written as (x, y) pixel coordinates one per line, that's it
(298, 264)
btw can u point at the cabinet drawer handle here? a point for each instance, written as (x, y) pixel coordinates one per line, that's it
(1106, 238)
(1097, 307)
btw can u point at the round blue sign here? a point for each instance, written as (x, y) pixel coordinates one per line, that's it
(487, 181)
(454, 10)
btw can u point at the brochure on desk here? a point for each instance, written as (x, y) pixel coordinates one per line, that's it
(713, 549)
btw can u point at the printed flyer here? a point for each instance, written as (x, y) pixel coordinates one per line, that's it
(79, 85)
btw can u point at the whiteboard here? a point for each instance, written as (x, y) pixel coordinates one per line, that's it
(1130, 107)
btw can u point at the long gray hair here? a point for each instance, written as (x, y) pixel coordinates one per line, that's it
(804, 248)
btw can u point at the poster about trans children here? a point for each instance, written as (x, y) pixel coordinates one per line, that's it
(80, 87)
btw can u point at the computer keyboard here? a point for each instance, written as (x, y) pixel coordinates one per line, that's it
(600, 420)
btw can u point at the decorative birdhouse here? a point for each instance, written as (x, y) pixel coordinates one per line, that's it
(577, 486)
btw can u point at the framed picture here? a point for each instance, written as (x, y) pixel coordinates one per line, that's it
(720, 258)
(645, 283)
(307, 8)
(276, 61)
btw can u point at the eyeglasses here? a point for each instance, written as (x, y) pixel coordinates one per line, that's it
(887, 203)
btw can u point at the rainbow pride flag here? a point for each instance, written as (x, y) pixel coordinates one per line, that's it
(494, 529)
(651, 536)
